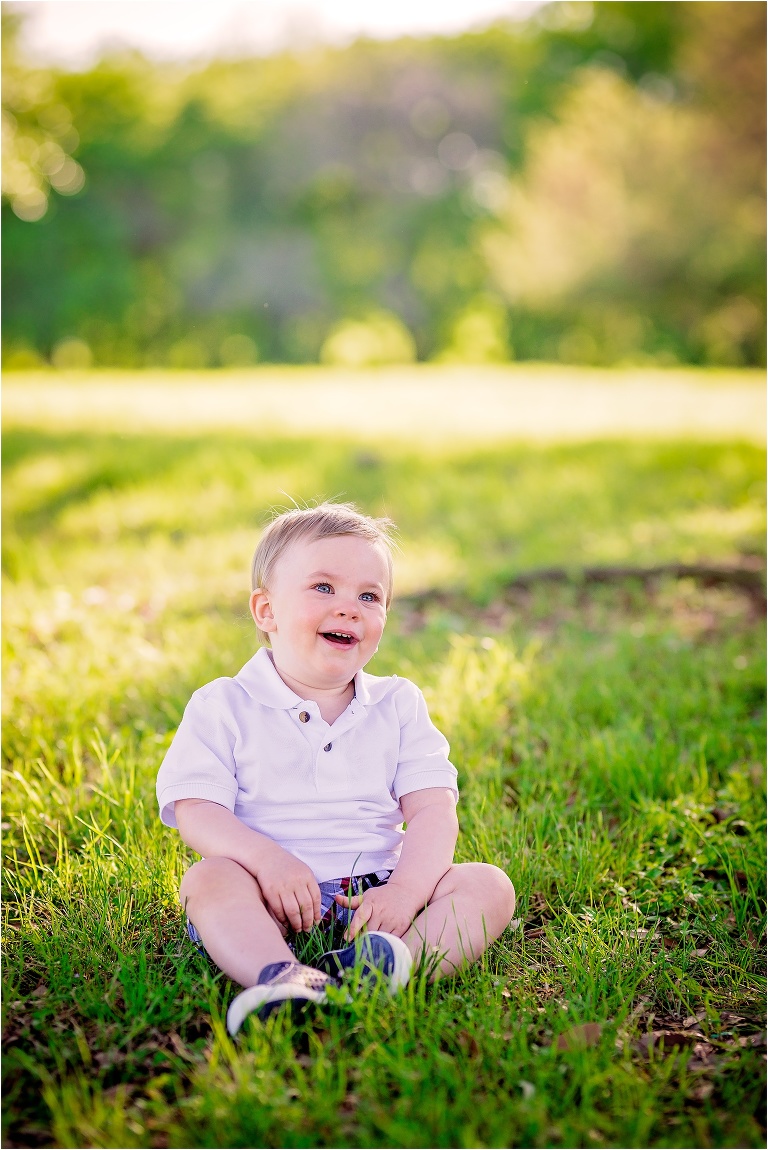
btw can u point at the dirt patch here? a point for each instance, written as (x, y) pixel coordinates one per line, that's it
(695, 600)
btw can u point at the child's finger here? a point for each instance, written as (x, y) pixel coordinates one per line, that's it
(359, 919)
(353, 903)
(292, 911)
(317, 904)
(277, 913)
(307, 912)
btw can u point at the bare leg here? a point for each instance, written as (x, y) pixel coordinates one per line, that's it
(224, 902)
(471, 906)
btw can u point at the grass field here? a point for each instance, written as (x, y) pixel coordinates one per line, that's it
(609, 741)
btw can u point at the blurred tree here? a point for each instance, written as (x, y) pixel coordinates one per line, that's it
(588, 185)
(38, 134)
(622, 239)
(722, 62)
(377, 339)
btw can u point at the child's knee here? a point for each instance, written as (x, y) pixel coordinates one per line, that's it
(505, 891)
(491, 887)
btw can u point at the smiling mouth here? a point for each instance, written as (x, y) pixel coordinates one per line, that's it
(339, 638)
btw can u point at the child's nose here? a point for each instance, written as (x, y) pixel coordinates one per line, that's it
(348, 610)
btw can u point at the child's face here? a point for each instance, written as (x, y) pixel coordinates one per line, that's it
(325, 609)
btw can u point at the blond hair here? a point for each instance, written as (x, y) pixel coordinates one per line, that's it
(318, 522)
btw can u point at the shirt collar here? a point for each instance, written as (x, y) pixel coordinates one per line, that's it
(261, 681)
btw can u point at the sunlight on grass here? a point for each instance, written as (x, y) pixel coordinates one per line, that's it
(426, 403)
(609, 742)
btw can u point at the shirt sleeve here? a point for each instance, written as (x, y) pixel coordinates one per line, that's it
(423, 761)
(200, 762)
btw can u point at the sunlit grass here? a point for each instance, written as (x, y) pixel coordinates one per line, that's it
(609, 744)
(422, 403)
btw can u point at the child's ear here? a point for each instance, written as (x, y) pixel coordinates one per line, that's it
(261, 609)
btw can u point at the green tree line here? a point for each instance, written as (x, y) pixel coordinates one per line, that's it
(585, 186)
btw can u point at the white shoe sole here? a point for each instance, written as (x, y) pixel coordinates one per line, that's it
(256, 997)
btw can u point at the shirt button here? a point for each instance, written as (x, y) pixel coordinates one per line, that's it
(304, 716)
(327, 746)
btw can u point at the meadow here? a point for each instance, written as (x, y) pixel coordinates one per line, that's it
(609, 737)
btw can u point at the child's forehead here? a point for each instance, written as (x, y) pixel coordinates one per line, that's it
(325, 548)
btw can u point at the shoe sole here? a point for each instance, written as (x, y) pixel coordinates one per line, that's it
(339, 962)
(266, 1000)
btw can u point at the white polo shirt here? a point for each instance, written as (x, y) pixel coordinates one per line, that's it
(329, 794)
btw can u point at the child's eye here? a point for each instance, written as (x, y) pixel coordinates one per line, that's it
(324, 587)
(369, 597)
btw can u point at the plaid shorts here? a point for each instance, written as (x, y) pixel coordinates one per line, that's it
(329, 932)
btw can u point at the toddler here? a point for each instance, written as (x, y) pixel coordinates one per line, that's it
(318, 794)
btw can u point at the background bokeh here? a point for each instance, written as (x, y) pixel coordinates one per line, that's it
(585, 185)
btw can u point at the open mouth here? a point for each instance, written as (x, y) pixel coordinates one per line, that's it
(339, 638)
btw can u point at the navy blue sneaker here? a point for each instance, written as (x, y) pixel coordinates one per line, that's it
(373, 953)
(279, 984)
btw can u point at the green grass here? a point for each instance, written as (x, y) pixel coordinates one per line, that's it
(609, 743)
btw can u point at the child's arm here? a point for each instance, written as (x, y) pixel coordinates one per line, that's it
(427, 853)
(287, 885)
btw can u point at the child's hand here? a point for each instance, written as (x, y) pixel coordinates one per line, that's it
(290, 891)
(387, 908)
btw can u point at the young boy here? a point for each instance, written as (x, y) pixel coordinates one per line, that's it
(293, 780)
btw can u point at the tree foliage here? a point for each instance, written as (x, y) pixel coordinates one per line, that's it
(586, 186)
